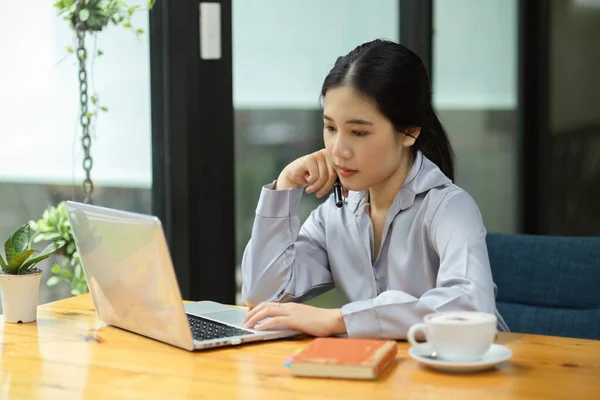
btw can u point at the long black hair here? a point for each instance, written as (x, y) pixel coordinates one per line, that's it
(395, 78)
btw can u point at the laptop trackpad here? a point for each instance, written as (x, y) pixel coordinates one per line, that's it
(234, 317)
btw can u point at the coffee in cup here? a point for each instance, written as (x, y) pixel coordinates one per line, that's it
(457, 335)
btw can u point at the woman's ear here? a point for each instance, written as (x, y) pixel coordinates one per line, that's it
(410, 135)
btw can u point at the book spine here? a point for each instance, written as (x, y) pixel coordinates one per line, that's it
(386, 360)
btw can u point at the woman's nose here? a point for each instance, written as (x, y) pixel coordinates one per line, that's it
(341, 148)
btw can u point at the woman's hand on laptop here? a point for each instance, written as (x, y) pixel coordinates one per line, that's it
(301, 317)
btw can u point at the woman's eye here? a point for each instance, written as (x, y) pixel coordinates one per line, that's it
(330, 128)
(359, 133)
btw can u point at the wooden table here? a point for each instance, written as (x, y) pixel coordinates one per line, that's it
(69, 354)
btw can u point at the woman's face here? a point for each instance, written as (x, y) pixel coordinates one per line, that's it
(363, 145)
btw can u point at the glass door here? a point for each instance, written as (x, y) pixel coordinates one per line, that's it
(475, 52)
(282, 51)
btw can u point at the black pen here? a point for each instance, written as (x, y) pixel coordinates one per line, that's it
(337, 191)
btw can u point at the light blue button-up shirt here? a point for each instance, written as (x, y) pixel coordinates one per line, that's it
(433, 254)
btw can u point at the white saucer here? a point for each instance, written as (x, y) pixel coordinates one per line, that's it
(495, 355)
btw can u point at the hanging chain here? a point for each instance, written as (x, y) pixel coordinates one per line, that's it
(86, 141)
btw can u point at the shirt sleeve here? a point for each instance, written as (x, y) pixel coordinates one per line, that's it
(464, 280)
(285, 260)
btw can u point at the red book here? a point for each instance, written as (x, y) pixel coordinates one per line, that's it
(348, 358)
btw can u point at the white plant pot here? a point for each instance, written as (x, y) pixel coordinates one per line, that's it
(20, 296)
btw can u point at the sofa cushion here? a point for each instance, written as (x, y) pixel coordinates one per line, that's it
(583, 324)
(546, 284)
(545, 270)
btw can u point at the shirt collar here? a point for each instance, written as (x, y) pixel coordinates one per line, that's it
(422, 176)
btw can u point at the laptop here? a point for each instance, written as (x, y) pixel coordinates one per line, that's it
(130, 275)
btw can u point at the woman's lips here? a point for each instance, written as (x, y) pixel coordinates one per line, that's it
(346, 173)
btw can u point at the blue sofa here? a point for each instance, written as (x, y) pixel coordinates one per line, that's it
(547, 285)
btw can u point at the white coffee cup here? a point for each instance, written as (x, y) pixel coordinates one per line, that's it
(457, 335)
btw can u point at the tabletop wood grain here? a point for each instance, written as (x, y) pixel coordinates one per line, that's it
(69, 354)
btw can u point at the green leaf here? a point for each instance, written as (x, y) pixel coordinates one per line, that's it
(11, 271)
(82, 287)
(52, 281)
(42, 226)
(55, 269)
(139, 31)
(94, 99)
(18, 259)
(71, 247)
(126, 25)
(84, 14)
(47, 252)
(46, 236)
(53, 217)
(89, 114)
(17, 242)
(94, 22)
(66, 273)
(132, 9)
(69, 49)
(100, 52)
(104, 109)
(66, 225)
(3, 263)
(37, 238)
(77, 271)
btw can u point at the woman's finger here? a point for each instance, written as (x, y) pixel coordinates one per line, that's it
(332, 176)
(323, 176)
(257, 309)
(253, 311)
(282, 322)
(311, 169)
(270, 311)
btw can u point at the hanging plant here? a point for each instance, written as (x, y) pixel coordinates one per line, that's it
(88, 17)
(95, 15)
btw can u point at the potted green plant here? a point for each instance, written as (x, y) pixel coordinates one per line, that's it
(54, 225)
(20, 278)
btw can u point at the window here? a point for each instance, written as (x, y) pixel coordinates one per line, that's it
(40, 149)
(475, 95)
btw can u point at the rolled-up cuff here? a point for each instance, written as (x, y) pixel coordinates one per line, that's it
(278, 203)
(361, 319)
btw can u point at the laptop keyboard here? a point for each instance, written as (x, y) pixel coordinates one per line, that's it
(205, 329)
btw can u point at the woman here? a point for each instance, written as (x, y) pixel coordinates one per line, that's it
(407, 241)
